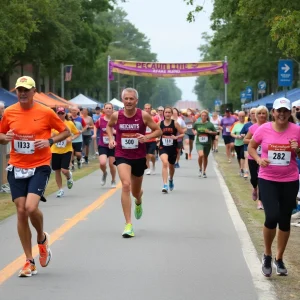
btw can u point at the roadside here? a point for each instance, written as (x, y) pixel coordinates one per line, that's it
(7, 208)
(286, 287)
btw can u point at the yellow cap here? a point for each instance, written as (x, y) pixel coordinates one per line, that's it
(26, 82)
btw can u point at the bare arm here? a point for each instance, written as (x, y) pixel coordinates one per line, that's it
(248, 138)
(180, 130)
(109, 128)
(156, 131)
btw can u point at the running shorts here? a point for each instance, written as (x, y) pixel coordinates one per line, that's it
(138, 166)
(172, 154)
(35, 184)
(204, 148)
(228, 139)
(61, 161)
(179, 145)
(190, 137)
(86, 140)
(77, 147)
(106, 151)
(150, 148)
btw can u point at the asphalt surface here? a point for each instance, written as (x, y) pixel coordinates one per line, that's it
(185, 248)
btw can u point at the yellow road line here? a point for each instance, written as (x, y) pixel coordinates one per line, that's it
(17, 264)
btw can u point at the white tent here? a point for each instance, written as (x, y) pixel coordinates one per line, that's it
(116, 102)
(84, 101)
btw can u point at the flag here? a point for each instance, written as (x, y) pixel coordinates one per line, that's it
(68, 75)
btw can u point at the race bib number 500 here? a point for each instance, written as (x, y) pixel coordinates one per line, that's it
(24, 143)
(279, 154)
(129, 141)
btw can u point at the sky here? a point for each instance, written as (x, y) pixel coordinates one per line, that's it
(173, 38)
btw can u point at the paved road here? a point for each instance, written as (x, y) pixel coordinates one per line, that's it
(186, 246)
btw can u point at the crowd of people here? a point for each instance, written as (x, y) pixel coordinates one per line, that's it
(131, 140)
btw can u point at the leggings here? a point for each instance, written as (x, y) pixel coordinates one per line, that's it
(253, 168)
(239, 152)
(279, 200)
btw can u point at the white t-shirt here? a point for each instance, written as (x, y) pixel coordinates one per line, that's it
(182, 125)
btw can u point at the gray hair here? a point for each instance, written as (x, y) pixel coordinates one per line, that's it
(2, 104)
(130, 90)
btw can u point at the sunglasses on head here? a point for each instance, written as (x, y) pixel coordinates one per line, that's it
(61, 113)
(297, 109)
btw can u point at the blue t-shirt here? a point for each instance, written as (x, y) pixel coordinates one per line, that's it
(245, 131)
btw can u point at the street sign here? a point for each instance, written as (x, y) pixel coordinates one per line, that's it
(285, 72)
(262, 86)
(243, 97)
(249, 92)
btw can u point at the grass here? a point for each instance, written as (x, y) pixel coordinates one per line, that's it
(7, 207)
(287, 288)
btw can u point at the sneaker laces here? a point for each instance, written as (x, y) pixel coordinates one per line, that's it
(268, 261)
(27, 264)
(280, 264)
(43, 250)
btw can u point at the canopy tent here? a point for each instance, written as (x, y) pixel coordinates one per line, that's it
(84, 101)
(267, 101)
(7, 97)
(101, 105)
(48, 101)
(117, 103)
(54, 96)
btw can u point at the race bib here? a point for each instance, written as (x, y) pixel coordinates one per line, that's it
(23, 173)
(129, 141)
(189, 126)
(228, 128)
(216, 126)
(105, 139)
(203, 138)
(61, 144)
(167, 141)
(148, 130)
(258, 150)
(24, 143)
(279, 154)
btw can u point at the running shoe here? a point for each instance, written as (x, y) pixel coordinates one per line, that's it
(190, 156)
(148, 172)
(165, 189)
(280, 267)
(171, 185)
(254, 195)
(97, 153)
(138, 210)
(128, 231)
(242, 173)
(28, 270)
(186, 156)
(73, 168)
(266, 267)
(216, 150)
(153, 170)
(246, 175)
(79, 164)
(103, 179)
(176, 165)
(45, 252)
(60, 194)
(113, 184)
(70, 181)
(200, 173)
(296, 215)
(204, 175)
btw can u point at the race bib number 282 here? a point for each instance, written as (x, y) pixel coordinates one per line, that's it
(279, 154)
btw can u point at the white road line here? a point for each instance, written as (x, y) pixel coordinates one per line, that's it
(264, 288)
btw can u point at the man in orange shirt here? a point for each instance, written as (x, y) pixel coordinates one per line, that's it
(27, 125)
(150, 144)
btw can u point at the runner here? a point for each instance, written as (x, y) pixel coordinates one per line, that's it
(189, 138)
(103, 149)
(204, 131)
(160, 113)
(130, 153)
(27, 125)
(176, 116)
(262, 116)
(77, 143)
(244, 131)
(226, 124)
(150, 144)
(217, 123)
(87, 134)
(62, 153)
(168, 147)
(239, 141)
(278, 180)
(96, 116)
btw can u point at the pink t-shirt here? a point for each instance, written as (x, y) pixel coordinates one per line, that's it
(276, 147)
(252, 129)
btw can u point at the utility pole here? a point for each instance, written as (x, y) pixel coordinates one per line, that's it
(108, 82)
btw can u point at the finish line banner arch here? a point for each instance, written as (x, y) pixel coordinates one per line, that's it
(167, 70)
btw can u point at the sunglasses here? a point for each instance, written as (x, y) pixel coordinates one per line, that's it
(61, 113)
(160, 110)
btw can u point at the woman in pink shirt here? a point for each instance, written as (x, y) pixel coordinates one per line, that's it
(278, 179)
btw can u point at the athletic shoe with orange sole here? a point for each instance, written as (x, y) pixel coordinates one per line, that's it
(45, 252)
(28, 270)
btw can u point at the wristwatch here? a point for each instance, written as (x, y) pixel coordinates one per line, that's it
(51, 142)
